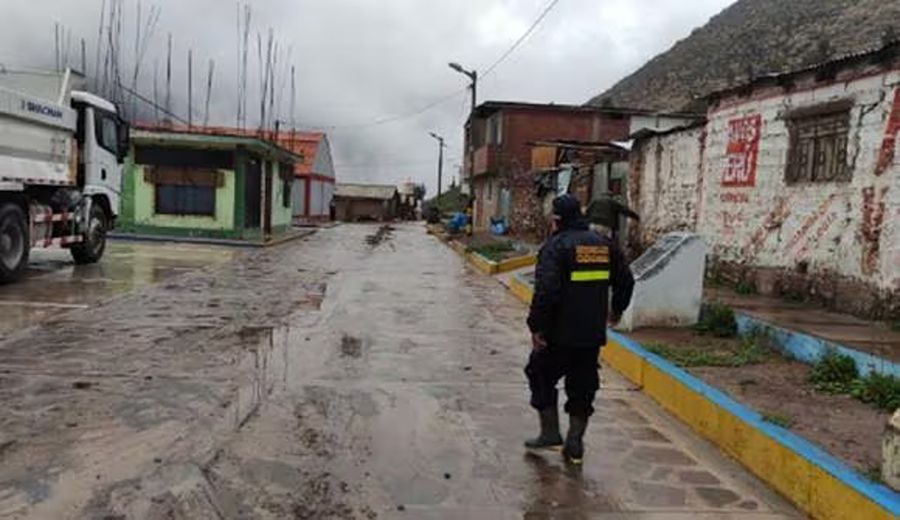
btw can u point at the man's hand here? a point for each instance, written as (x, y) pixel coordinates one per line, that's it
(613, 319)
(538, 342)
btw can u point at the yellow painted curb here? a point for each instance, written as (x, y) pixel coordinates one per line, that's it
(482, 264)
(520, 290)
(788, 471)
(511, 264)
(787, 466)
(459, 247)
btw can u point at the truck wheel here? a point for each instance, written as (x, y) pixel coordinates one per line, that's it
(90, 251)
(15, 244)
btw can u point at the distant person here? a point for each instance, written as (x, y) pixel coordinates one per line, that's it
(569, 313)
(606, 211)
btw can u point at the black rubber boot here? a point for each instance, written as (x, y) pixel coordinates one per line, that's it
(550, 438)
(574, 448)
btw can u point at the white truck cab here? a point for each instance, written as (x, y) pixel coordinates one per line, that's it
(61, 158)
(103, 141)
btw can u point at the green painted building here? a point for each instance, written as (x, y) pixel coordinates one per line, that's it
(205, 185)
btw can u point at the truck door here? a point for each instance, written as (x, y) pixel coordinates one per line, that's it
(103, 168)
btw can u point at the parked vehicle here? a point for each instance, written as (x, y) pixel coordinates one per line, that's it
(61, 157)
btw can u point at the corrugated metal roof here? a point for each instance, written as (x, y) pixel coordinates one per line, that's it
(887, 51)
(365, 191)
(305, 144)
(212, 141)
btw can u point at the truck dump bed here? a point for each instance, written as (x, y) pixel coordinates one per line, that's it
(37, 129)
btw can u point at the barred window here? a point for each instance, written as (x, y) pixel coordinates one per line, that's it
(818, 145)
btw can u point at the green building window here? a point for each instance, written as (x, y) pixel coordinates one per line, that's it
(172, 199)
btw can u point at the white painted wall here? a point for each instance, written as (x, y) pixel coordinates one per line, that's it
(773, 224)
(669, 185)
(781, 225)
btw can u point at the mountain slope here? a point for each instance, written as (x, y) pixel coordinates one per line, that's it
(753, 37)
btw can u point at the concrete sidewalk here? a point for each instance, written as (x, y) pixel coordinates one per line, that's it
(866, 336)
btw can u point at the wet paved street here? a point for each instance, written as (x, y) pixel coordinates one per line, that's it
(336, 377)
(54, 285)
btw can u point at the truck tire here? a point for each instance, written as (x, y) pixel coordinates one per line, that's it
(90, 251)
(15, 244)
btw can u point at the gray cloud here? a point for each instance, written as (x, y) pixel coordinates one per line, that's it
(363, 60)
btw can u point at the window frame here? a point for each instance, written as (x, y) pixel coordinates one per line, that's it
(102, 117)
(156, 199)
(818, 143)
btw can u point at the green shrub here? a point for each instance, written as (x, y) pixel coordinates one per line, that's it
(745, 288)
(718, 320)
(495, 251)
(880, 390)
(834, 373)
(748, 353)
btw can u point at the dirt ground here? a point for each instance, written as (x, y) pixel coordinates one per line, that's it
(843, 426)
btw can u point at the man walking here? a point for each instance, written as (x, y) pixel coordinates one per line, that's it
(606, 213)
(568, 318)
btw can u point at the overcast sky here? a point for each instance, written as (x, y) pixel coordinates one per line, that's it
(359, 61)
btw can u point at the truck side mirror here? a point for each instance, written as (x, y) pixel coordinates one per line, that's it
(124, 135)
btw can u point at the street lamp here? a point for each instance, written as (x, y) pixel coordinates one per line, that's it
(441, 146)
(472, 75)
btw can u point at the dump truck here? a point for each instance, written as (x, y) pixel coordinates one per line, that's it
(61, 156)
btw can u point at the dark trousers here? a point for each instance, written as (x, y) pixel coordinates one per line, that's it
(579, 367)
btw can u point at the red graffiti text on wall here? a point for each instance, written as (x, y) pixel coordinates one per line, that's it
(816, 236)
(872, 220)
(800, 237)
(774, 220)
(735, 197)
(731, 221)
(742, 151)
(889, 143)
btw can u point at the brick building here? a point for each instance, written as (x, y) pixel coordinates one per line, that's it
(498, 149)
(793, 181)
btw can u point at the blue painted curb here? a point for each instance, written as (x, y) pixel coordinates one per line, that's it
(809, 349)
(881, 495)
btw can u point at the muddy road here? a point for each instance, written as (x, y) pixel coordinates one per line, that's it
(361, 373)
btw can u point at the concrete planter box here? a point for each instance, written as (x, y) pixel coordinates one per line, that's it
(491, 267)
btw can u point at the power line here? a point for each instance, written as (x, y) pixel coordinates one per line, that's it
(490, 69)
(521, 39)
(152, 104)
(393, 165)
(391, 119)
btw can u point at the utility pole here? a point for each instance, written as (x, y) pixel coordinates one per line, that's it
(441, 146)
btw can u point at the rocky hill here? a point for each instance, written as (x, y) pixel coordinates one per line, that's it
(753, 37)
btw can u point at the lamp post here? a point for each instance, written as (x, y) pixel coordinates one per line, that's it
(472, 75)
(441, 146)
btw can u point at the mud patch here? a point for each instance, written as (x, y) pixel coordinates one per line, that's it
(323, 496)
(351, 346)
(383, 234)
